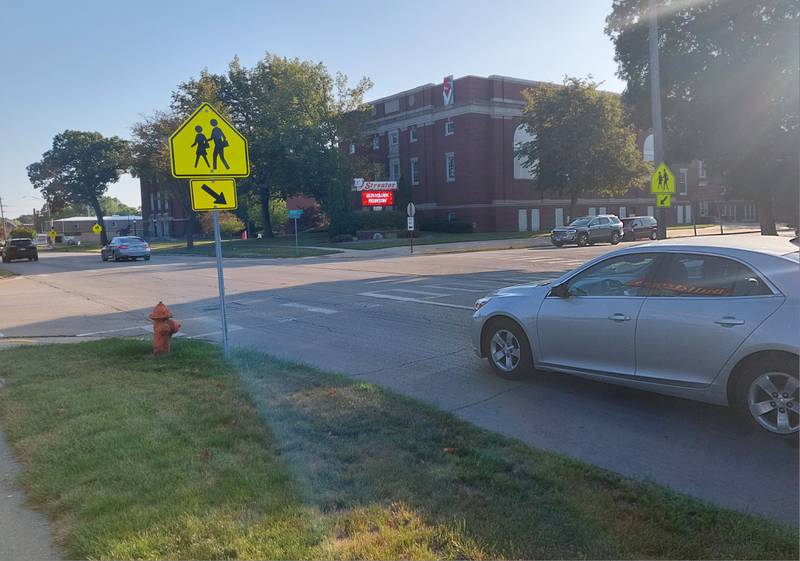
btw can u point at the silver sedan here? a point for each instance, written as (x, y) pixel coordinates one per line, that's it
(125, 248)
(702, 320)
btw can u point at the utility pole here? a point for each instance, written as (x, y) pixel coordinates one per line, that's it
(655, 107)
(3, 219)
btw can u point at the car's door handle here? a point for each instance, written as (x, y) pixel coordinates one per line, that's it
(619, 317)
(728, 321)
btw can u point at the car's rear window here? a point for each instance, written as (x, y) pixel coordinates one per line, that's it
(21, 243)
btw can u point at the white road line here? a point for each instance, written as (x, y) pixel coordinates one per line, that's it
(457, 289)
(415, 300)
(422, 292)
(315, 309)
(143, 327)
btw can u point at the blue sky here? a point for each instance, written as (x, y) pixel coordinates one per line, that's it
(101, 65)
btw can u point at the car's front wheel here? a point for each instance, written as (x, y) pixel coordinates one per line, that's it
(508, 349)
(653, 235)
(583, 240)
(767, 395)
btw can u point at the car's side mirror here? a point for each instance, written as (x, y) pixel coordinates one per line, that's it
(560, 290)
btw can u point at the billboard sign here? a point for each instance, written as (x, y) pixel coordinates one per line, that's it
(377, 198)
(374, 185)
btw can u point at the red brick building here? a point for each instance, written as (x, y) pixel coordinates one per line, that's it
(455, 143)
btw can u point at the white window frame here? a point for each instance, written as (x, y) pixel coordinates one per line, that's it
(449, 127)
(394, 138)
(684, 180)
(701, 170)
(703, 208)
(412, 133)
(352, 148)
(394, 164)
(448, 158)
(376, 142)
(414, 171)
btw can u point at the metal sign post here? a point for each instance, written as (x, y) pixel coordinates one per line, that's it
(295, 215)
(411, 211)
(221, 283)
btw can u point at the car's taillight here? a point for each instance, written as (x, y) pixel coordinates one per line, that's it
(123, 246)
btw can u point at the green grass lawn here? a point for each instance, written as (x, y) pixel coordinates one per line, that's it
(427, 238)
(191, 457)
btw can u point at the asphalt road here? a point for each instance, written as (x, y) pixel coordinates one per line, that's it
(402, 321)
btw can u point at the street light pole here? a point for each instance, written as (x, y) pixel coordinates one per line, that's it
(655, 107)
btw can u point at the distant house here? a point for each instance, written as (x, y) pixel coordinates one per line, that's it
(81, 227)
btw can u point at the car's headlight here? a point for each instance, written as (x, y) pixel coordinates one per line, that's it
(481, 302)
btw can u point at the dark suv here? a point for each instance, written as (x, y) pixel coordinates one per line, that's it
(588, 230)
(20, 248)
(635, 227)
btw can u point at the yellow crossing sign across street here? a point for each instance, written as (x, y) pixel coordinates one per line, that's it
(662, 181)
(213, 194)
(206, 145)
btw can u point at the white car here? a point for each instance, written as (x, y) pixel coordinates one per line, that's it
(710, 320)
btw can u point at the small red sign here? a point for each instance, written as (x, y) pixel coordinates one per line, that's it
(377, 198)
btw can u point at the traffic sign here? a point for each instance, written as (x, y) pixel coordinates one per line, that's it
(213, 194)
(664, 201)
(411, 210)
(97, 228)
(206, 145)
(410, 223)
(662, 181)
(295, 214)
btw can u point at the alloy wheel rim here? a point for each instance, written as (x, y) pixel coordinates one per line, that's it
(506, 350)
(773, 402)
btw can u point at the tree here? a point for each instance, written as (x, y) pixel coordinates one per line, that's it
(582, 142)
(22, 232)
(79, 168)
(110, 205)
(229, 223)
(730, 92)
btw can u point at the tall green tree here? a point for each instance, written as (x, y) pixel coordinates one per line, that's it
(730, 91)
(79, 168)
(583, 142)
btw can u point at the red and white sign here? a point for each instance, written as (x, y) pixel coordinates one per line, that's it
(377, 198)
(375, 185)
(447, 90)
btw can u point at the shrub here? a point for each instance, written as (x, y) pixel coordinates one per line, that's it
(450, 227)
(22, 232)
(229, 224)
(384, 220)
(342, 238)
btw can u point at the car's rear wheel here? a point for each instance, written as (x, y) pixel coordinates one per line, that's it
(767, 395)
(508, 349)
(583, 240)
(614, 238)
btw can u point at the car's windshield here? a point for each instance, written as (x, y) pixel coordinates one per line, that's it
(20, 243)
(581, 221)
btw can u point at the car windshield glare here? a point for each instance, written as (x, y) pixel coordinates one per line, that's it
(580, 221)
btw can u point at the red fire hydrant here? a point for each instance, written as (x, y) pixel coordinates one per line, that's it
(164, 327)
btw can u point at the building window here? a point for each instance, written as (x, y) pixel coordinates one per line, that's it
(701, 169)
(750, 214)
(648, 150)
(412, 133)
(414, 171)
(394, 138)
(522, 136)
(703, 208)
(394, 169)
(684, 181)
(450, 166)
(352, 148)
(376, 142)
(412, 100)
(451, 216)
(623, 212)
(391, 106)
(449, 127)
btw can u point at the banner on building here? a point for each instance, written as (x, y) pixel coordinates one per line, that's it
(361, 185)
(377, 198)
(447, 90)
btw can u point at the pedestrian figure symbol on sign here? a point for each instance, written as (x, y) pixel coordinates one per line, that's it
(201, 142)
(220, 143)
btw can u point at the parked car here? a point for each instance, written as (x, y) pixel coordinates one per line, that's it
(70, 240)
(700, 320)
(20, 248)
(125, 248)
(637, 227)
(588, 230)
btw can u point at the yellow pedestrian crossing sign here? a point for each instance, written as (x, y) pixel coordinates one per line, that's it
(662, 181)
(213, 194)
(206, 145)
(97, 228)
(664, 200)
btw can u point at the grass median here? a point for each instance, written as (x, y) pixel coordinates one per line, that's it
(192, 457)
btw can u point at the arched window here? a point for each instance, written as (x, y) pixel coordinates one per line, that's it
(521, 135)
(648, 151)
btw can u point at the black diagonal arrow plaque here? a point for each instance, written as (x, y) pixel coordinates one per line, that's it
(219, 198)
(213, 194)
